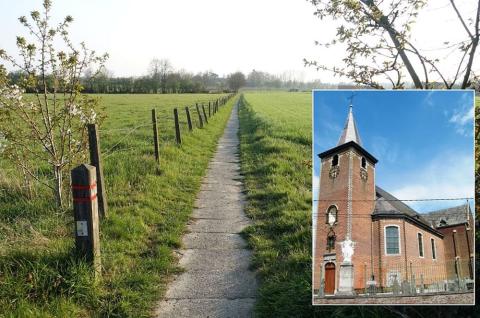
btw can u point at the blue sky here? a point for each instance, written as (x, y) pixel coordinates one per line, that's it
(423, 140)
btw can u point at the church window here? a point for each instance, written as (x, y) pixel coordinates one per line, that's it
(392, 240)
(420, 244)
(364, 163)
(335, 161)
(434, 250)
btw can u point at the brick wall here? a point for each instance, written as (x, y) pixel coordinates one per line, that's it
(463, 242)
(334, 191)
(369, 255)
(409, 259)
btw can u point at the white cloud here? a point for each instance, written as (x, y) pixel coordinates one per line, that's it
(445, 176)
(462, 116)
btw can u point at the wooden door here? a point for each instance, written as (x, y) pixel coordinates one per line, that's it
(329, 278)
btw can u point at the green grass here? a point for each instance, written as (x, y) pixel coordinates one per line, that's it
(148, 210)
(275, 134)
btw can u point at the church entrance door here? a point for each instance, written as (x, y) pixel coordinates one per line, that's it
(330, 278)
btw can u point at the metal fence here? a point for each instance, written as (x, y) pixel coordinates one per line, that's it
(409, 278)
(416, 278)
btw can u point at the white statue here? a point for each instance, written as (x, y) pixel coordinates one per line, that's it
(347, 250)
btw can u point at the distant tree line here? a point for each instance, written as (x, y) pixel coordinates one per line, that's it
(162, 78)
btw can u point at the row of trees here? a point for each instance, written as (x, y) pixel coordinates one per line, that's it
(162, 78)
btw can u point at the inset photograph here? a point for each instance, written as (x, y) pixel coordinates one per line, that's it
(393, 195)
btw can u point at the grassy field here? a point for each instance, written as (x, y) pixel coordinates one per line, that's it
(149, 208)
(275, 155)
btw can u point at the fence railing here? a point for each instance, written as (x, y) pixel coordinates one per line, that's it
(407, 279)
(410, 279)
(88, 184)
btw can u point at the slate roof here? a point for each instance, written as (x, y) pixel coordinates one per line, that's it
(350, 131)
(448, 217)
(387, 204)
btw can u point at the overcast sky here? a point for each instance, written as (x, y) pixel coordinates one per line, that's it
(223, 36)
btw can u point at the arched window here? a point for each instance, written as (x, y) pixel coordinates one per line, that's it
(331, 216)
(420, 244)
(392, 240)
(364, 163)
(335, 161)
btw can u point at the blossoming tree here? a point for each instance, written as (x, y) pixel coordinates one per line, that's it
(48, 126)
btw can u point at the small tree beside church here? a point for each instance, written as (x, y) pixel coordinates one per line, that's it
(49, 126)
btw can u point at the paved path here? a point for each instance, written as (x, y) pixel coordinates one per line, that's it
(217, 281)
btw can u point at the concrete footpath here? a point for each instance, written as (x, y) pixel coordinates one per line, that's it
(217, 281)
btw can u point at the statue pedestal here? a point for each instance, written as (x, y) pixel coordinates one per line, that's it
(345, 285)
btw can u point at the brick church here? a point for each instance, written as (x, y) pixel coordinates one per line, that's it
(391, 241)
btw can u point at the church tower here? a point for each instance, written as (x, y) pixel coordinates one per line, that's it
(345, 203)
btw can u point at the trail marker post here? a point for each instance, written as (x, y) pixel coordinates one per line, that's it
(96, 160)
(177, 127)
(85, 212)
(155, 135)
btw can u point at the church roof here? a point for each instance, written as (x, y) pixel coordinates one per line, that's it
(386, 205)
(447, 217)
(350, 131)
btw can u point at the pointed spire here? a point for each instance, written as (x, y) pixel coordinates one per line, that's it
(350, 132)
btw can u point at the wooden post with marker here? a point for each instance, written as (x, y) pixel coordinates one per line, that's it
(85, 214)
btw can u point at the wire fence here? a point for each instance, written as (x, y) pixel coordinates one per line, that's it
(119, 140)
(189, 118)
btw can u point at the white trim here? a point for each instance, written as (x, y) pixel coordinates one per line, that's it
(423, 246)
(385, 239)
(434, 248)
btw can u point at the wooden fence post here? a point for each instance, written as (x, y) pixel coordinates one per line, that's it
(204, 113)
(199, 116)
(96, 161)
(209, 113)
(155, 135)
(189, 120)
(85, 214)
(177, 127)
